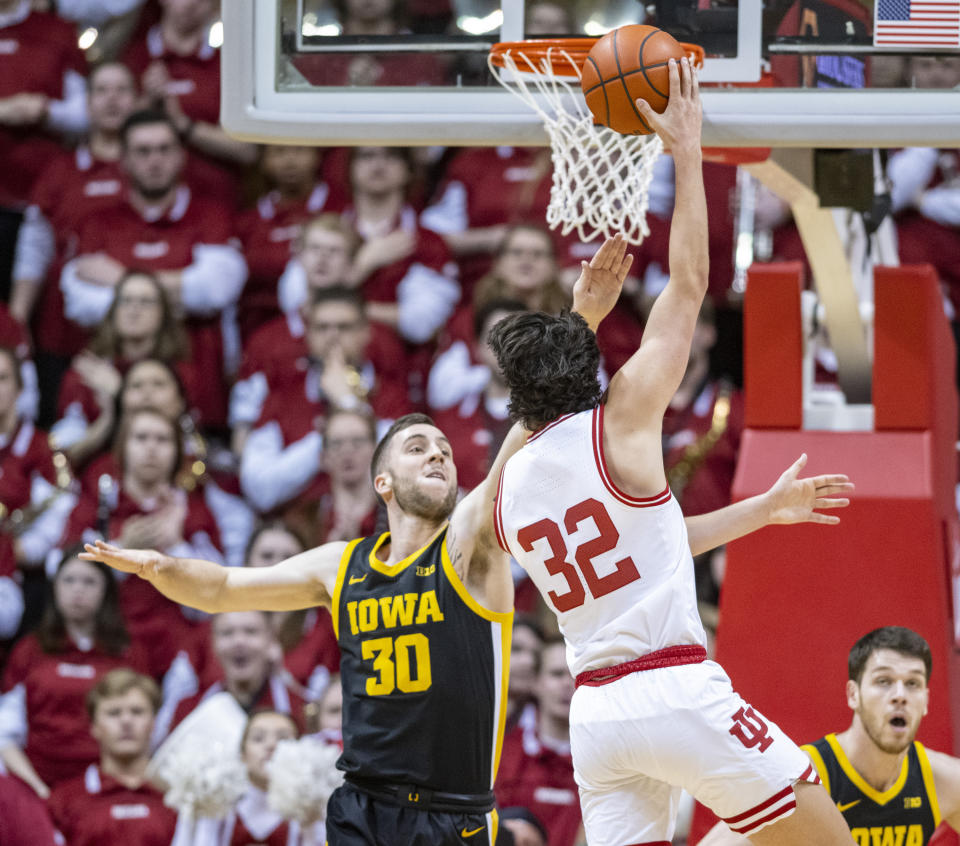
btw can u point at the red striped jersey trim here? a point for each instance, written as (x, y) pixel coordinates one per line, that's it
(775, 808)
(539, 432)
(772, 817)
(756, 809)
(498, 515)
(619, 495)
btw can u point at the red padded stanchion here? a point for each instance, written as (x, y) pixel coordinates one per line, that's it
(773, 346)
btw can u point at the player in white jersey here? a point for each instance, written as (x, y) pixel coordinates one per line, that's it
(584, 506)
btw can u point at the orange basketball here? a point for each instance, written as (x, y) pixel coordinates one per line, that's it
(627, 63)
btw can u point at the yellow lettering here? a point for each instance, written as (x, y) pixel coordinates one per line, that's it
(889, 835)
(393, 665)
(429, 608)
(368, 615)
(421, 650)
(397, 610)
(352, 612)
(379, 649)
(427, 571)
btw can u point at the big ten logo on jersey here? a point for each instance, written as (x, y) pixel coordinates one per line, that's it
(889, 835)
(751, 730)
(557, 564)
(399, 663)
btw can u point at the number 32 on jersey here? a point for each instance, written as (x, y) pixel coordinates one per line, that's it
(559, 565)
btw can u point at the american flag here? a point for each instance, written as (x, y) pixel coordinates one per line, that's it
(921, 23)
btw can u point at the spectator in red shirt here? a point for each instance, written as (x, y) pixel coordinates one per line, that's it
(71, 187)
(346, 507)
(24, 819)
(35, 494)
(245, 647)
(407, 275)
(536, 769)
(186, 239)
(323, 259)
(42, 94)
(112, 802)
(43, 727)
(139, 324)
(149, 509)
(485, 190)
(282, 456)
(179, 71)
(271, 230)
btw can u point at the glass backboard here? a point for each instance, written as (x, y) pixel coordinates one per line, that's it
(783, 73)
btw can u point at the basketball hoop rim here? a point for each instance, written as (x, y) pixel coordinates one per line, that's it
(536, 50)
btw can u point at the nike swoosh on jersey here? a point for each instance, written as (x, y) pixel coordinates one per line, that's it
(355, 579)
(465, 833)
(842, 808)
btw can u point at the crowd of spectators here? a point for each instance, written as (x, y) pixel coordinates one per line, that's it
(200, 342)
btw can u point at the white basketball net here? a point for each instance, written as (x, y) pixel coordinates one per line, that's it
(601, 179)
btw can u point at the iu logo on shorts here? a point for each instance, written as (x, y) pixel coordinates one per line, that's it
(750, 729)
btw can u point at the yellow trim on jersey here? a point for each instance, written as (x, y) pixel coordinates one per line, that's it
(814, 754)
(505, 617)
(392, 570)
(928, 781)
(506, 638)
(858, 780)
(341, 574)
(495, 825)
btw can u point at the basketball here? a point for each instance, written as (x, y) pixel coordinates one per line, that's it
(627, 63)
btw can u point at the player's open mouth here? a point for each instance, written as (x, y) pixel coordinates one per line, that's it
(898, 722)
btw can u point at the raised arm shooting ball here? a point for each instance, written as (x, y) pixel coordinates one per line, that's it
(627, 63)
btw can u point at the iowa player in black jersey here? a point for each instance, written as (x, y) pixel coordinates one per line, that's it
(890, 789)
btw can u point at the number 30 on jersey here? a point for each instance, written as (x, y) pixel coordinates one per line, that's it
(558, 565)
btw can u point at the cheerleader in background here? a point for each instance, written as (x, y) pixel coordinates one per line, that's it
(252, 819)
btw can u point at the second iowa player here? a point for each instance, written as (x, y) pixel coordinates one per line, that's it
(890, 790)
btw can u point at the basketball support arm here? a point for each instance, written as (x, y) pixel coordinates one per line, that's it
(831, 275)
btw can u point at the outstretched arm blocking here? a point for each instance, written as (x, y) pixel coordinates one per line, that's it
(597, 290)
(303, 581)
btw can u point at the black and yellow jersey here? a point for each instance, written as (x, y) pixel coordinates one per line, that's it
(905, 815)
(424, 671)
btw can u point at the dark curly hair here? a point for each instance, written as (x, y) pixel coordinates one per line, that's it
(550, 365)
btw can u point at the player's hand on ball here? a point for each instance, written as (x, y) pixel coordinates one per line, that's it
(794, 500)
(680, 123)
(597, 290)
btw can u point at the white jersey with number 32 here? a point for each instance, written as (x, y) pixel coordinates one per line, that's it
(616, 569)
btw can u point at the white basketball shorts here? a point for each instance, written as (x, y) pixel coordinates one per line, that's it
(641, 738)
